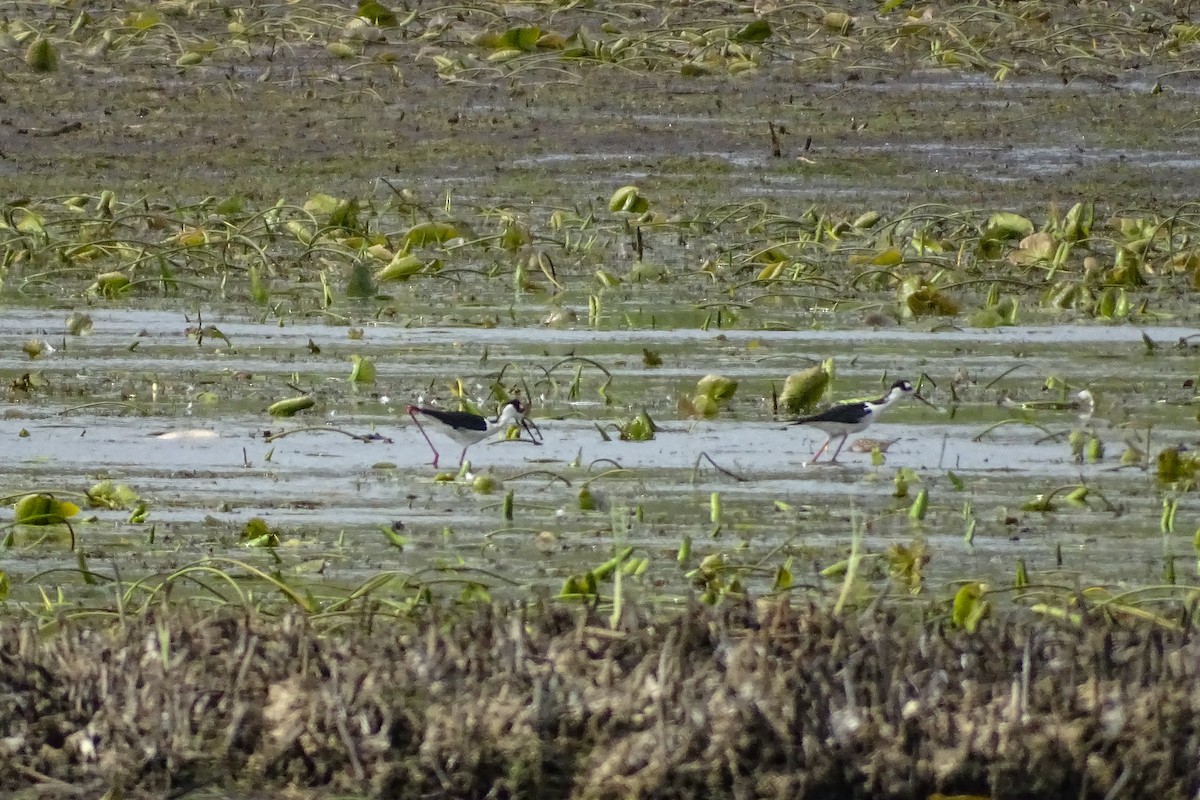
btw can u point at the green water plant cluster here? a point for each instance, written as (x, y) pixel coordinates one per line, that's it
(318, 254)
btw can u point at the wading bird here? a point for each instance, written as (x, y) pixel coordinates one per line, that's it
(847, 418)
(468, 429)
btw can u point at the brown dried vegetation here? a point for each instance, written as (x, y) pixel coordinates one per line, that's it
(547, 702)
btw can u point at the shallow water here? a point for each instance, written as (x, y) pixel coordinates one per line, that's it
(328, 495)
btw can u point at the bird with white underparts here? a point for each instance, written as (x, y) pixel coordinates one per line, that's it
(468, 429)
(846, 418)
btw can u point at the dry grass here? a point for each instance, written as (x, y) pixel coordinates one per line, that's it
(546, 702)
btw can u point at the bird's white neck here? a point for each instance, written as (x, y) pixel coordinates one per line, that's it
(885, 401)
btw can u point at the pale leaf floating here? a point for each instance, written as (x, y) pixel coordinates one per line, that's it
(803, 390)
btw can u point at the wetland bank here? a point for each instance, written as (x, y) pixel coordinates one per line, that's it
(211, 209)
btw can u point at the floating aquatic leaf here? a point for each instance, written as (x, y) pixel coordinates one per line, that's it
(717, 387)
(1006, 225)
(5, 586)
(969, 606)
(1174, 465)
(754, 32)
(376, 13)
(1040, 503)
(514, 236)
(43, 509)
(887, 258)
(639, 429)
(107, 494)
(109, 284)
(401, 268)
(684, 554)
(341, 50)
(581, 586)
(485, 484)
(628, 199)
(920, 299)
(41, 55)
(587, 502)
(291, 406)
(803, 390)
(255, 528)
(1035, 247)
(867, 220)
(1077, 226)
(189, 59)
(919, 506)
(363, 370)
(426, 233)
(839, 22)
(521, 38)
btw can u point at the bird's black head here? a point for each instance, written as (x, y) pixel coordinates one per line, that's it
(903, 386)
(521, 408)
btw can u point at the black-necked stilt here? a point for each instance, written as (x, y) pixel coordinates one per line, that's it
(847, 418)
(468, 429)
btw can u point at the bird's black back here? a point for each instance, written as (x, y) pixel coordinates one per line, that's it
(844, 414)
(457, 419)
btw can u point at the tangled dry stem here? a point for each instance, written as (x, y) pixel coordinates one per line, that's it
(546, 701)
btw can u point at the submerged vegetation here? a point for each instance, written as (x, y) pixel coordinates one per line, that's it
(236, 241)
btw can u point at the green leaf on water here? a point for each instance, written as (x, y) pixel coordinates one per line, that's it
(587, 502)
(969, 606)
(639, 429)
(1078, 224)
(524, 39)
(43, 509)
(5, 585)
(109, 284)
(107, 494)
(291, 406)
(266, 540)
(803, 390)
(919, 506)
(684, 553)
(628, 199)
(376, 13)
(41, 55)
(783, 577)
(754, 32)
(363, 370)
(426, 233)
(1006, 225)
(717, 387)
(955, 481)
(401, 268)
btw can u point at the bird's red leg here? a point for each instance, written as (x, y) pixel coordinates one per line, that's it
(822, 450)
(841, 444)
(463, 457)
(412, 412)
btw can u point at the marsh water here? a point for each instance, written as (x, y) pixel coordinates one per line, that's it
(139, 402)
